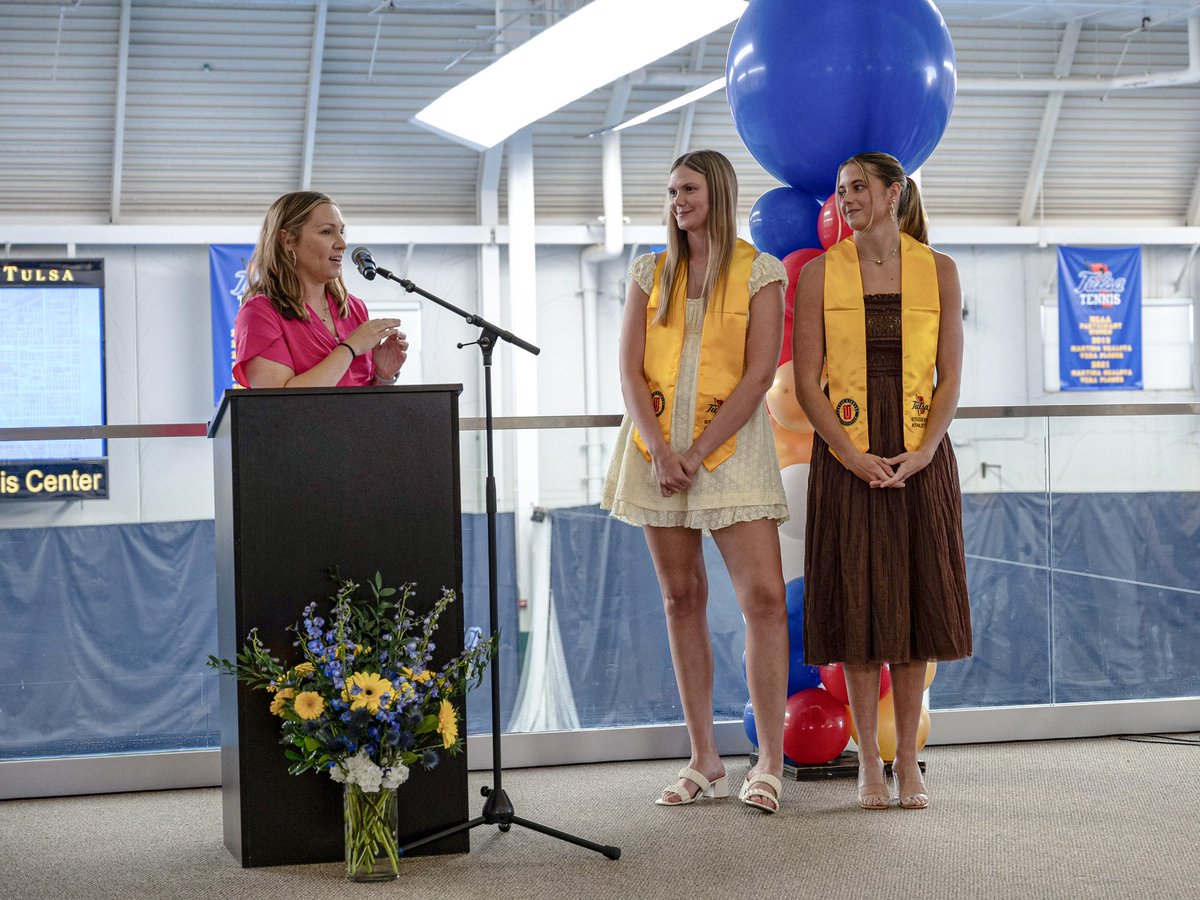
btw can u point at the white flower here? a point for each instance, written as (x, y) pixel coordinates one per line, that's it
(337, 773)
(362, 771)
(370, 779)
(395, 776)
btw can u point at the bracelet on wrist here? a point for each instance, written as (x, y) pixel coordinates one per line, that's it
(379, 379)
(353, 353)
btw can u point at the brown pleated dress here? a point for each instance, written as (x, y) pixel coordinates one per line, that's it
(884, 569)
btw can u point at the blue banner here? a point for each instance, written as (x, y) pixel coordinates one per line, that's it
(1100, 318)
(226, 282)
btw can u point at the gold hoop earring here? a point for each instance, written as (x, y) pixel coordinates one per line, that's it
(893, 211)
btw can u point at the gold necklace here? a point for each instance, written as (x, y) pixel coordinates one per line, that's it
(326, 318)
(880, 262)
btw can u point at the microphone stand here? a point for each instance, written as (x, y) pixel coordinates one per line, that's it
(497, 808)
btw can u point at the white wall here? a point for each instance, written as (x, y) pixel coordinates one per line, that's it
(159, 371)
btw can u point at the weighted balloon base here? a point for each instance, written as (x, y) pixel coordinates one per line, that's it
(844, 766)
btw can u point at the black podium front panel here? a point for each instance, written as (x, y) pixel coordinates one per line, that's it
(364, 479)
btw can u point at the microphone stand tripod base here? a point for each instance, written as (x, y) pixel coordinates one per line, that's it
(498, 809)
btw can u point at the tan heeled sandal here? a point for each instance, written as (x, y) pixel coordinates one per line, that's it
(710, 790)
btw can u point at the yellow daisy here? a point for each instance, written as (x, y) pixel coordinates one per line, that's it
(371, 688)
(309, 704)
(447, 725)
(280, 701)
(305, 668)
(419, 677)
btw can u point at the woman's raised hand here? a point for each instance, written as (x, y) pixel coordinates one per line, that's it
(367, 336)
(391, 354)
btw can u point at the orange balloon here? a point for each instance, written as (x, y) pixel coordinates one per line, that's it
(792, 447)
(782, 402)
(930, 668)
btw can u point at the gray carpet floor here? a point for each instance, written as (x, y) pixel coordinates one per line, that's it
(1085, 818)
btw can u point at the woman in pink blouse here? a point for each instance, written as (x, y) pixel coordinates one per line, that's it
(298, 326)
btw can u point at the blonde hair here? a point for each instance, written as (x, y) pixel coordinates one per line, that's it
(272, 269)
(721, 227)
(910, 211)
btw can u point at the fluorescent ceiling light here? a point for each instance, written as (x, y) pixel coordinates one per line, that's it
(590, 48)
(690, 97)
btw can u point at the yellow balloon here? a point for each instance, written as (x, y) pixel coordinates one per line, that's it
(930, 671)
(782, 402)
(887, 729)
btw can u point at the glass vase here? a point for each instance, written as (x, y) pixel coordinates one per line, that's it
(372, 848)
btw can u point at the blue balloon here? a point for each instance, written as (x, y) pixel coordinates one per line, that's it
(785, 219)
(812, 84)
(800, 674)
(748, 724)
(795, 610)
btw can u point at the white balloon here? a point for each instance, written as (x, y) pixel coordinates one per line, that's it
(795, 488)
(792, 553)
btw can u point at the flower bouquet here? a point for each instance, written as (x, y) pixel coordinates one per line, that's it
(364, 706)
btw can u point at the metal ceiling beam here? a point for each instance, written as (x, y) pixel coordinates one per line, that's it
(1192, 218)
(1041, 151)
(315, 64)
(118, 156)
(683, 135)
(1083, 84)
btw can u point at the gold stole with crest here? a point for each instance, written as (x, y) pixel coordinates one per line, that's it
(722, 348)
(846, 338)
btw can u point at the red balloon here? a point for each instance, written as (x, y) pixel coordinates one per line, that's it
(816, 728)
(834, 679)
(792, 264)
(831, 227)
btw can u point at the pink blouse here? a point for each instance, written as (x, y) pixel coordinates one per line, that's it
(260, 330)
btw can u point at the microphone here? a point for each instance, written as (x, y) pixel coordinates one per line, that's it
(366, 266)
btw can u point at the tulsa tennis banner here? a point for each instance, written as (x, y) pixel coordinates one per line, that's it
(1100, 318)
(226, 281)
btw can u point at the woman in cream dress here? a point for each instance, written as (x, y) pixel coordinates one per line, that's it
(695, 454)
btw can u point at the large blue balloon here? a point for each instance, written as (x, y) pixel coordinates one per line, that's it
(812, 83)
(785, 219)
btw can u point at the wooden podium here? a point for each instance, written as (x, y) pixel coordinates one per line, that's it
(364, 479)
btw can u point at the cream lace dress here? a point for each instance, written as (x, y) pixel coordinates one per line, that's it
(744, 488)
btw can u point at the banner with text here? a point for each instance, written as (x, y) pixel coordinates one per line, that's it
(226, 282)
(1100, 318)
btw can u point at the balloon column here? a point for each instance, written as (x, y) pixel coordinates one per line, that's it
(810, 85)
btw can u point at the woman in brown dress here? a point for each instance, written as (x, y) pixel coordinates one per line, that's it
(884, 574)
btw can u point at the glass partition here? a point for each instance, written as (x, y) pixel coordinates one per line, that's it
(1082, 532)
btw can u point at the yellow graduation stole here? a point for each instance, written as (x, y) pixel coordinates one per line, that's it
(722, 348)
(846, 337)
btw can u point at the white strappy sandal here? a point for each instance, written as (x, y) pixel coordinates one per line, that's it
(711, 790)
(748, 793)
